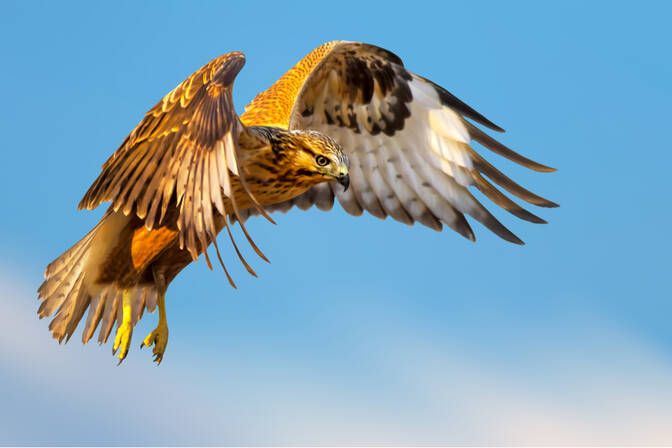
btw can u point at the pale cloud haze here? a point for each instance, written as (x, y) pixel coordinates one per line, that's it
(437, 393)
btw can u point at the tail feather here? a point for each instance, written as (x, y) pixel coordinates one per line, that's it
(95, 315)
(64, 261)
(138, 304)
(112, 304)
(152, 299)
(56, 286)
(70, 288)
(65, 312)
(80, 306)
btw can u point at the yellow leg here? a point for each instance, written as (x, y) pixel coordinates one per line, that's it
(159, 337)
(122, 339)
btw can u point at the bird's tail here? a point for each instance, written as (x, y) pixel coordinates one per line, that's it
(70, 287)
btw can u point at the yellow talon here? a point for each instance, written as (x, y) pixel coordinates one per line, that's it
(158, 337)
(125, 330)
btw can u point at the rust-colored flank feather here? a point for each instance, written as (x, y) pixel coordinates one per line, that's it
(348, 114)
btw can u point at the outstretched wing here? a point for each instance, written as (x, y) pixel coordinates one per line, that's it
(184, 150)
(407, 138)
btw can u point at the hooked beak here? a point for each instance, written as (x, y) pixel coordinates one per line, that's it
(344, 179)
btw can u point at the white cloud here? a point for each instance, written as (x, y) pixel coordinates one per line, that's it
(414, 391)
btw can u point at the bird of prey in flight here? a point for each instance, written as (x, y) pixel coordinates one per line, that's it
(348, 114)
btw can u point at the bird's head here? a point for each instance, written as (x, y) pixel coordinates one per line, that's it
(317, 158)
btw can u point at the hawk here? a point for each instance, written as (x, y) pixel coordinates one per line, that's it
(348, 114)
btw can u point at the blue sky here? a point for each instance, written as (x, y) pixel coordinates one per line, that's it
(360, 330)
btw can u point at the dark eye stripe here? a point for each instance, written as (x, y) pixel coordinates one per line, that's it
(305, 172)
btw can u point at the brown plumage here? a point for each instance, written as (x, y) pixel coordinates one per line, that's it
(192, 168)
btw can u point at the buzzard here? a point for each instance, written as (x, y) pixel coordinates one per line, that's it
(348, 114)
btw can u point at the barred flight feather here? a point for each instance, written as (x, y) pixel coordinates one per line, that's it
(407, 138)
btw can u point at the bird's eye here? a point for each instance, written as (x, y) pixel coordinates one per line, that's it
(322, 161)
